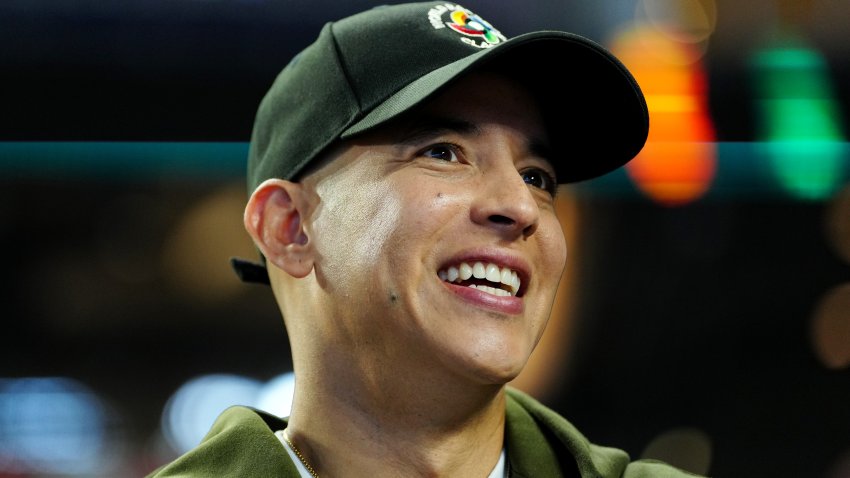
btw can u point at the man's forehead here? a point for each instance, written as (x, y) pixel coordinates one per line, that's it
(420, 127)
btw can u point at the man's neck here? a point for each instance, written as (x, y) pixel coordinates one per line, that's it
(356, 433)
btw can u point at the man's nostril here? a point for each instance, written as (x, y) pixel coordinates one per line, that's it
(499, 219)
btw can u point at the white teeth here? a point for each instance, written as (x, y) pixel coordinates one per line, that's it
(493, 273)
(491, 290)
(465, 271)
(507, 277)
(478, 271)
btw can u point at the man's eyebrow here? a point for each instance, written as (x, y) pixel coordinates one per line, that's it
(425, 127)
(541, 149)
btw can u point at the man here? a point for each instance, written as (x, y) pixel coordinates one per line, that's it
(402, 174)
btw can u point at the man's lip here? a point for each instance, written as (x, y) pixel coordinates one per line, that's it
(500, 257)
(507, 305)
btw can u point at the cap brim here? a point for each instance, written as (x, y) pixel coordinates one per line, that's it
(592, 106)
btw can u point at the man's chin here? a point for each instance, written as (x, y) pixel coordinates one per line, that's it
(497, 372)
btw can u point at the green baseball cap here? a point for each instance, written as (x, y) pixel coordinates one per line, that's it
(372, 67)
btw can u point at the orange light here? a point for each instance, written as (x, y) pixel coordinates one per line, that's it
(679, 161)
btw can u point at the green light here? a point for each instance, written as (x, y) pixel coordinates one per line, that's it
(802, 119)
(808, 169)
(799, 58)
(799, 120)
(132, 160)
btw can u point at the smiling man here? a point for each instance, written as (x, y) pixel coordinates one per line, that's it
(402, 174)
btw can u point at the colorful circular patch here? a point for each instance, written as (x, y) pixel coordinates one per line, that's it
(475, 30)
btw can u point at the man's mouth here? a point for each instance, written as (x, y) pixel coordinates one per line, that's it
(484, 276)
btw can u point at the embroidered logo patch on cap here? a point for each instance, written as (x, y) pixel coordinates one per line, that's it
(474, 30)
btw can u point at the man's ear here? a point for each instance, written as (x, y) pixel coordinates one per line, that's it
(273, 218)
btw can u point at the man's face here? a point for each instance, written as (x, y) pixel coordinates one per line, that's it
(406, 213)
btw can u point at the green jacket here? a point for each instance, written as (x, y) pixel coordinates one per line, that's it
(539, 444)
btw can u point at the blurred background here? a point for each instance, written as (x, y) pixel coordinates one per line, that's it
(704, 318)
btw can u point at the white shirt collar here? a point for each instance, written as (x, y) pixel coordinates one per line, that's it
(499, 470)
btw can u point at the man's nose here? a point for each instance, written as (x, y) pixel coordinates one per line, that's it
(505, 202)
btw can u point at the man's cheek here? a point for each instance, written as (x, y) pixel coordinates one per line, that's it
(445, 201)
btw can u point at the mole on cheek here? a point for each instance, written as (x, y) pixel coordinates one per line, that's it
(393, 297)
(439, 195)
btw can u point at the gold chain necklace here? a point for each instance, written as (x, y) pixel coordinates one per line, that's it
(299, 455)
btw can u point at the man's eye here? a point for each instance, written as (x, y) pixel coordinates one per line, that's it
(444, 152)
(540, 179)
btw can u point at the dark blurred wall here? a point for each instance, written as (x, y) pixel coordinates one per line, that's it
(697, 316)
